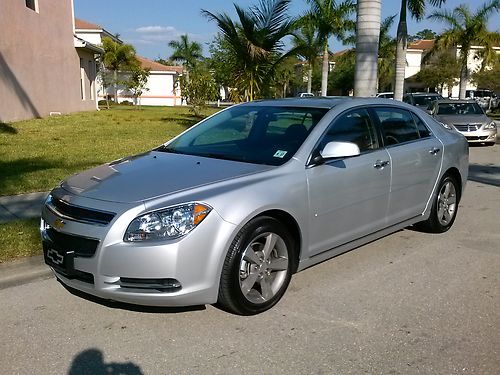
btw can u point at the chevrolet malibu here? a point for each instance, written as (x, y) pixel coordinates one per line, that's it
(227, 211)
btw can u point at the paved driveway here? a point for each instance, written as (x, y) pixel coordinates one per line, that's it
(408, 303)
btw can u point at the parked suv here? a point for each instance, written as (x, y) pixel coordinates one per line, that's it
(487, 99)
(421, 99)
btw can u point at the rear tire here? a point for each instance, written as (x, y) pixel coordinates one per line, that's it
(444, 208)
(258, 267)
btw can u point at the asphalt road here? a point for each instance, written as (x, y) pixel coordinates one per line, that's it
(406, 304)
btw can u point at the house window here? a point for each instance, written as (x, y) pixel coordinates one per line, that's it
(32, 4)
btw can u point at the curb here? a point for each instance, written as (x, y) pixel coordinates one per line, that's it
(23, 271)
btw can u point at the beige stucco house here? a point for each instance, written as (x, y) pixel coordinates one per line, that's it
(44, 67)
(161, 89)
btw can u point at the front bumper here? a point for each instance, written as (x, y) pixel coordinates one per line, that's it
(480, 136)
(179, 272)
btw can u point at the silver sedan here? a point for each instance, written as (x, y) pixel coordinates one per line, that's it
(227, 211)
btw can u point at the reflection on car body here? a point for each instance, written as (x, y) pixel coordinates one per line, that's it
(228, 210)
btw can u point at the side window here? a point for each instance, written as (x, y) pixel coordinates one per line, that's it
(423, 130)
(354, 126)
(406, 99)
(397, 125)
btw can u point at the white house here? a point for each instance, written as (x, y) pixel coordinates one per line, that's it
(418, 49)
(161, 89)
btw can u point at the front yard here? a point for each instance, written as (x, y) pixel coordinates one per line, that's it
(36, 155)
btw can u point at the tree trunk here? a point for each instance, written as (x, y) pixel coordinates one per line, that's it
(367, 39)
(309, 78)
(402, 36)
(115, 84)
(463, 81)
(324, 73)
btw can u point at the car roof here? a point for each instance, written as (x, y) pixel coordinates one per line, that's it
(327, 102)
(423, 94)
(454, 101)
(312, 102)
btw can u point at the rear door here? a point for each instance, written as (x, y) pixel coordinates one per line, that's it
(416, 157)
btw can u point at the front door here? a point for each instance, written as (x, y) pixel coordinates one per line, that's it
(349, 197)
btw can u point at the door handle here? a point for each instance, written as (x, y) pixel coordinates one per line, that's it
(434, 151)
(380, 164)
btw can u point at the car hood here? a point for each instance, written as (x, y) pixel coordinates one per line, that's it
(154, 174)
(463, 119)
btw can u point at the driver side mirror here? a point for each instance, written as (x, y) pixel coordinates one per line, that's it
(337, 150)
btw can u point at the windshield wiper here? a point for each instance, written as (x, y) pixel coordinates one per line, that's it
(223, 157)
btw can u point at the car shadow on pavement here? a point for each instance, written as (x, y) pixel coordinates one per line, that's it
(91, 361)
(485, 174)
(131, 307)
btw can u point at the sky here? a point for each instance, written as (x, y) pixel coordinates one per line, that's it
(150, 24)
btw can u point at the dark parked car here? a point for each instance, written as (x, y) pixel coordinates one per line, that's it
(421, 99)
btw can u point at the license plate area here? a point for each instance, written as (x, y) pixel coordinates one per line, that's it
(63, 261)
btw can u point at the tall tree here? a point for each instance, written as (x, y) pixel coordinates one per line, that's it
(417, 11)
(185, 51)
(117, 57)
(386, 54)
(308, 45)
(439, 70)
(466, 29)
(427, 34)
(367, 44)
(256, 41)
(331, 19)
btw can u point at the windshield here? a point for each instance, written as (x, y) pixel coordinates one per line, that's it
(459, 109)
(425, 100)
(253, 134)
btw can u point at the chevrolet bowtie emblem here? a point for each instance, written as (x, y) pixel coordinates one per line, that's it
(59, 224)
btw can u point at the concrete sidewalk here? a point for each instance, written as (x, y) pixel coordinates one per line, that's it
(21, 207)
(23, 271)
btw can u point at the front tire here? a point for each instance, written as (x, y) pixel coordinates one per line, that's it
(257, 268)
(445, 207)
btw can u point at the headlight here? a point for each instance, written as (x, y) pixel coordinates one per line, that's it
(491, 125)
(168, 223)
(446, 126)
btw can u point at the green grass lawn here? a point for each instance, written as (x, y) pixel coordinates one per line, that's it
(36, 155)
(19, 239)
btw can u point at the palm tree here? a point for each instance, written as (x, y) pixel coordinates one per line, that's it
(117, 57)
(367, 44)
(466, 29)
(255, 41)
(386, 54)
(331, 19)
(185, 52)
(417, 11)
(307, 45)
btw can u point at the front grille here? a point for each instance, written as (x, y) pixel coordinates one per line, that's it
(480, 138)
(83, 247)
(467, 127)
(76, 213)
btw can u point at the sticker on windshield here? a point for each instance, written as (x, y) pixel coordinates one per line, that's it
(280, 154)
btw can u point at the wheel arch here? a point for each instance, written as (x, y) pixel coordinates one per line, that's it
(292, 226)
(455, 174)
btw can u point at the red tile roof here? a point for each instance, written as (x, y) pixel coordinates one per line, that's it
(424, 44)
(157, 67)
(85, 25)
